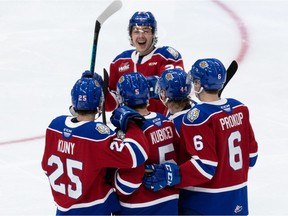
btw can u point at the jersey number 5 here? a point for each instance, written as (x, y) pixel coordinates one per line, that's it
(70, 165)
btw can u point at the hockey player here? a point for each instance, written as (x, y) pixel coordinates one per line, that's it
(173, 89)
(220, 140)
(79, 150)
(135, 199)
(145, 58)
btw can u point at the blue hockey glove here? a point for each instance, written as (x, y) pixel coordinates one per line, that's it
(158, 176)
(152, 80)
(122, 115)
(99, 79)
(96, 76)
(87, 74)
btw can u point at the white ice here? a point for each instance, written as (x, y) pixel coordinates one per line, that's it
(45, 45)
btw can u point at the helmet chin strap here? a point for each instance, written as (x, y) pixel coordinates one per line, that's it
(164, 101)
(198, 92)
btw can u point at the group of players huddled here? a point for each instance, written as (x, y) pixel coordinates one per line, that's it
(168, 154)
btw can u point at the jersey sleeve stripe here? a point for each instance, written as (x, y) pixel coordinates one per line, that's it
(138, 154)
(252, 159)
(123, 186)
(207, 170)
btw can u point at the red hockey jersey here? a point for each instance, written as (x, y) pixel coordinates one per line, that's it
(76, 158)
(220, 140)
(134, 197)
(155, 63)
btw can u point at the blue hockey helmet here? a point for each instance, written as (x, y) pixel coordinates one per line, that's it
(87, 94)
(142, 18)
(132, 89)
(173, 84)
(211, 73)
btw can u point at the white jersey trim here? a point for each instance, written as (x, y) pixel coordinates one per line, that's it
(85, 205)
(147, 204)
(216, 190)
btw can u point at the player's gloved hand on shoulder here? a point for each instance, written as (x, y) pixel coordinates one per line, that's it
(152, 80)
(122, 115)
(158, 176)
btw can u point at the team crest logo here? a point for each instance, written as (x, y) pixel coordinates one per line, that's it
(121, 79)
(169, 76)
(203, 64)
(173, 52)
(103, 129)
(193, 114)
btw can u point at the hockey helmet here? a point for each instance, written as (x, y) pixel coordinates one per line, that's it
(211, 73)
(87, 94)
(132, 89)
(172, 84)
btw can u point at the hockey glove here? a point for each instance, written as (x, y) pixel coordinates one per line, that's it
(152, 80)
(121, 116)
(158, 176)
(96, 76)
(99, 79)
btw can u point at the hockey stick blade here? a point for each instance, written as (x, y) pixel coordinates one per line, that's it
(231, 70)
(109, 11)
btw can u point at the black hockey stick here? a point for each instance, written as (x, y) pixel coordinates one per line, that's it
(109, 11)
(105, 90)
(231, 70)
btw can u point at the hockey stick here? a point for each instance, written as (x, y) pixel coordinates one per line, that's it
(231, 70)
(109, 11)
(105, 90)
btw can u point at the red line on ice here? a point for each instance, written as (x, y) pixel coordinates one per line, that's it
(242, 28)
(22, 140)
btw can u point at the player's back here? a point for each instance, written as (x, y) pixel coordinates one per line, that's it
(163, 139)
(224, 129)
(75, 160)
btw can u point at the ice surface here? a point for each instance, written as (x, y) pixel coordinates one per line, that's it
(46, 44)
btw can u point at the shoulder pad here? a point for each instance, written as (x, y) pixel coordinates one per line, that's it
(169, 52)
